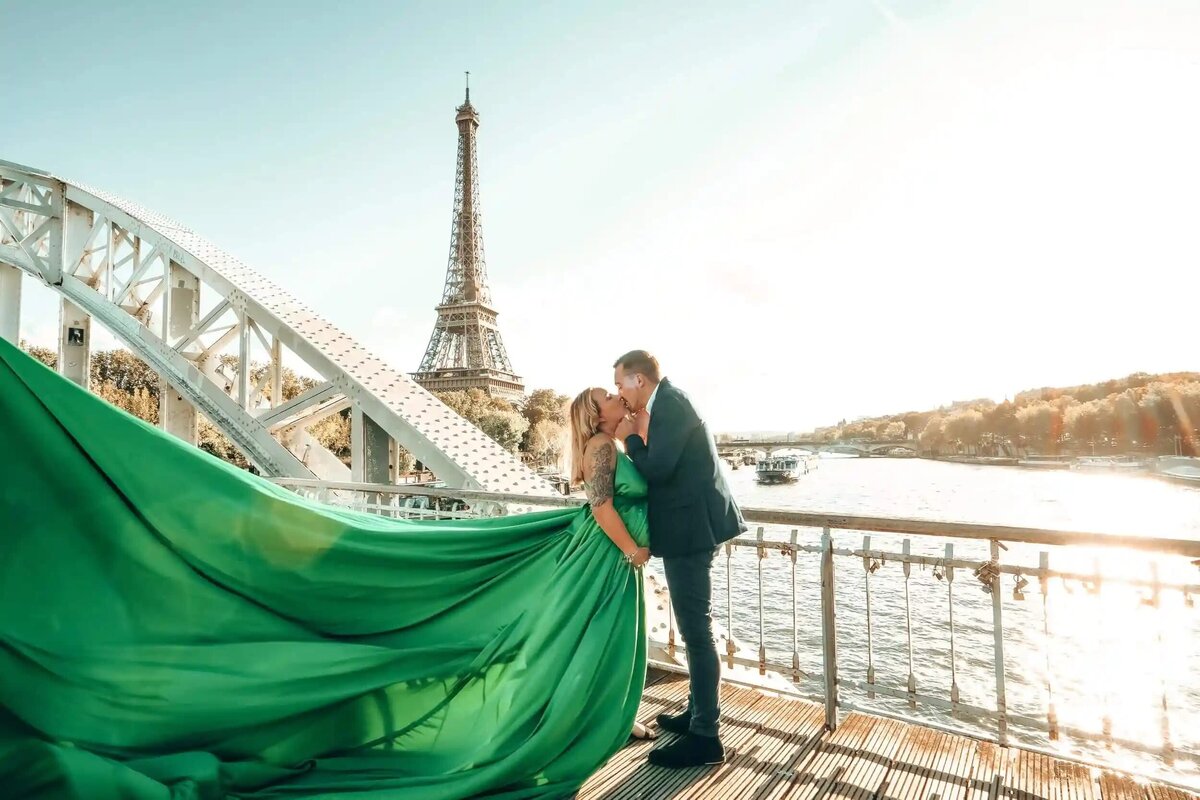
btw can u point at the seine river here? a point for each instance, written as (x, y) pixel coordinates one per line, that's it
(1109, 652)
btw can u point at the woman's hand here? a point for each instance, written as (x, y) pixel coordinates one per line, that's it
(640, 557)
(641, 424)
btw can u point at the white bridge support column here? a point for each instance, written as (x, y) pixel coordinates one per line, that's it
(74, 324)
(74, 343)
(393, 461)
(10, 304)
(243, 369)
(276, 372)
(370, 449)
(181, 311)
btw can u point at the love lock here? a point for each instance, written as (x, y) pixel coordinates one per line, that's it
(987, 574)
(1021, 583)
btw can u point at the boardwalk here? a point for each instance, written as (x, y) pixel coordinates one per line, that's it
(777, 749)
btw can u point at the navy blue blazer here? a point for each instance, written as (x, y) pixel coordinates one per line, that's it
(690, 506)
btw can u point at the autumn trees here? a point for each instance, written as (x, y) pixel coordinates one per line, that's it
(536, 429)
(1151, 413)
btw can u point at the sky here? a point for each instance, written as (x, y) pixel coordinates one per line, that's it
(808, 210)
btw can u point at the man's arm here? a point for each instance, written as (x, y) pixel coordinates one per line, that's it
(671, 424)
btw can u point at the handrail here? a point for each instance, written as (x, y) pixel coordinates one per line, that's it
(414, 490)
(814, 519)
(971, 530)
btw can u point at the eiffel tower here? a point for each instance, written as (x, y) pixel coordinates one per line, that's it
(465, 350)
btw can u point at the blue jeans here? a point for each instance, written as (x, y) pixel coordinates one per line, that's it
(689, 581)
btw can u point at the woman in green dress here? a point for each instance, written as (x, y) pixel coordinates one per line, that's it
(595, 462)
(173, 627)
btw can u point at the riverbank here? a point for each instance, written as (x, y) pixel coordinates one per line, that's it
(1178, 469)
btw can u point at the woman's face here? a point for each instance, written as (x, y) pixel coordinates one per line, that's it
(611, 407)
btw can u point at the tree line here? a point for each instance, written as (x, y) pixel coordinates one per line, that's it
(535, 430)
(1142, 413)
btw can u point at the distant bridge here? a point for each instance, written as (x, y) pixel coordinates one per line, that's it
(851, 447)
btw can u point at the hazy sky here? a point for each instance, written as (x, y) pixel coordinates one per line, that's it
(808, 210)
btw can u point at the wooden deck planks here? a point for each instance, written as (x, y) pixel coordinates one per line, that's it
(1121, 787)
(987, 771)
(869, 769)
(1159, 792)
(1070, 781)
(745, 740)
(777, 749)
(950, 775)
(905, 777)
(824, 766)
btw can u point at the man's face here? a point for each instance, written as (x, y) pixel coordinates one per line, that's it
(632, 388)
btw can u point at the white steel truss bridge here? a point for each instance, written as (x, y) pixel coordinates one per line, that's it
(200, 318)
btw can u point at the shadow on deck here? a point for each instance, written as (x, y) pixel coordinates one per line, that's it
(777, 748)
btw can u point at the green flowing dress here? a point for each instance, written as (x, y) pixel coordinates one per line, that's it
(173, 627)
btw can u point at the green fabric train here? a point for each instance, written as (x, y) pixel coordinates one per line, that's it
(173, 627)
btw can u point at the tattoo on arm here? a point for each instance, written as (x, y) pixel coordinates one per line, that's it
(604, 463)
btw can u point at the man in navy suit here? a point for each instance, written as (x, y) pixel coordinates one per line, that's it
(691, 512)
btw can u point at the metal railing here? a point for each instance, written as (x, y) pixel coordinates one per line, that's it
(944, 567)
(414, 501)
(846, 574)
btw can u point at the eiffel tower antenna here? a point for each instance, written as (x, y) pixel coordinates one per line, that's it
(465, 350)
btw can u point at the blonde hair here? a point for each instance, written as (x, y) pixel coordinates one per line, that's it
(585, 422)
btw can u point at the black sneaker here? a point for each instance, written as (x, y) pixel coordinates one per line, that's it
(674, 723)
(690, 751)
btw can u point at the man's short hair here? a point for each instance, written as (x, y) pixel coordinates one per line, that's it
(639, 361)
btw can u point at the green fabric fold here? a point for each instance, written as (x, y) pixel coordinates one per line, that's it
(174, 627)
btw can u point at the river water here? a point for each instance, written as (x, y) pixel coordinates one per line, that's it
(1099, 652)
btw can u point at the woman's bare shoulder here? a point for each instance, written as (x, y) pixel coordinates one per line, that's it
(600, 449)
(599, 440)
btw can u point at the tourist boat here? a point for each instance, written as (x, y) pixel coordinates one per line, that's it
(1104, 464)
(1040, 463)
(1181, 470)
(1190, 475)
(780, 469)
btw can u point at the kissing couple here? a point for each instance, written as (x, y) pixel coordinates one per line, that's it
(182, 627)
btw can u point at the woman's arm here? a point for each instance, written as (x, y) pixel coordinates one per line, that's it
(599, 470)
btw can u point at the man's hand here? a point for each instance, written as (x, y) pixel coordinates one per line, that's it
(640, 557)
(626, 428)
(641, 424)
